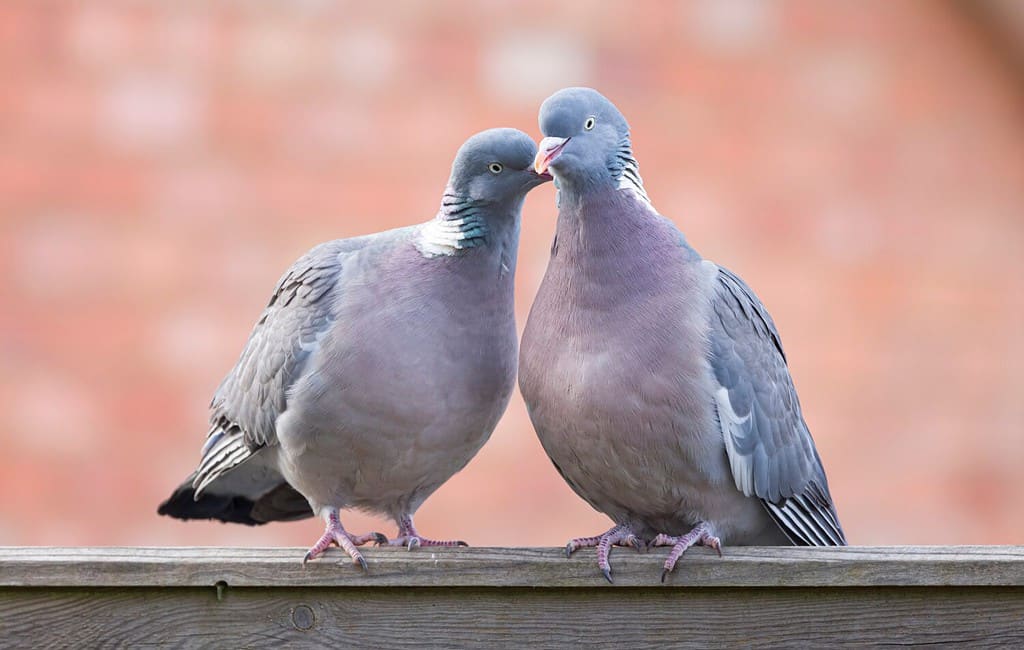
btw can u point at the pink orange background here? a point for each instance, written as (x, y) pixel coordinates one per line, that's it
(861, 164)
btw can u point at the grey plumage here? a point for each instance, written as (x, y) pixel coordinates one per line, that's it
(770, 449)
(656, 380)
(380, 365)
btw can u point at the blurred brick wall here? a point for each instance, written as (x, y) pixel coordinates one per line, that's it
(861, 164)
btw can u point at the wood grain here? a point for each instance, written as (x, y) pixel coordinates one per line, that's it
(494, 617)
(968, 566)
(499, 597)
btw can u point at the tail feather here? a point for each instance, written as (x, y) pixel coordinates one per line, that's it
(219, 457)
(238, 485)
(281, 503)
(182, 504)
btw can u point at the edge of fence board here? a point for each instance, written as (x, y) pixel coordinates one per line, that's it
(854, 566)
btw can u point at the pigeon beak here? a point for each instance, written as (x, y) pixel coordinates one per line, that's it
(547, 151)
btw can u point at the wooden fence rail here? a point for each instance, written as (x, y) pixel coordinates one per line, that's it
(964, 596)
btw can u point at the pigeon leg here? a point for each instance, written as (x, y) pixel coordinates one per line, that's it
(701, 534)
(409, 538)
(334, 533)
(621, 535)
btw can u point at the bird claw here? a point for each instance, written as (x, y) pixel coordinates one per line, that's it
(664, 540)
(362, 563)
(701, 534)
(336, 535)
(411, 541)
(714, 543)
(620, 535)
(379, 539)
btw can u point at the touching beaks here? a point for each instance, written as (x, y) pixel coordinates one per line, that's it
(548, 150)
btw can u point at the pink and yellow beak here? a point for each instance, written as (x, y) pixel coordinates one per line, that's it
(547, 151)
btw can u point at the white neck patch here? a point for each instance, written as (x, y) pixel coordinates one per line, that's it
(445, 237)
(630, 180)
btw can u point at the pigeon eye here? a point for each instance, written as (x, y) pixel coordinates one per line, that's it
(495, 168)
(589, 124)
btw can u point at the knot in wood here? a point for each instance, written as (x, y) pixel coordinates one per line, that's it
(303, 617)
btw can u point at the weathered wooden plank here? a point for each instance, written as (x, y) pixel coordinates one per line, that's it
(500, 567)
(633, 618)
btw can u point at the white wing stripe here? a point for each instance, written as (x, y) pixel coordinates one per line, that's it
(731, 425)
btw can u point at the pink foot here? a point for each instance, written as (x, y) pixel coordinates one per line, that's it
(409, 538)
(701, 534)
(621, 535)
(335, 534)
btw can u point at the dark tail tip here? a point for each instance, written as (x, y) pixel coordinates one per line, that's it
(183, 505)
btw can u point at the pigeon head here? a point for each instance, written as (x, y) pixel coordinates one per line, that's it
(495, 166)
(586, 138)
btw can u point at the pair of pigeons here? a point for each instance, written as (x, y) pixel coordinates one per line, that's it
(655, 379)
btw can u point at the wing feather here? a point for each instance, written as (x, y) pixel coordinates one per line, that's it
(247, 403)
(771, 452)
